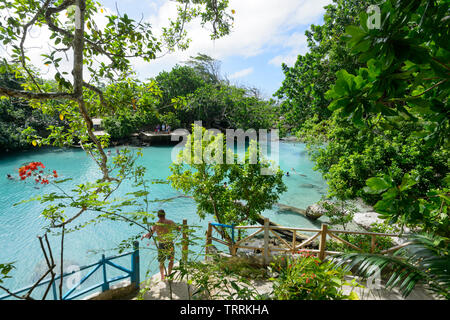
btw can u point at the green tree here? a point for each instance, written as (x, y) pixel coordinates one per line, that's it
(17, 114)
(403, 85)
(303, 90)
(121, 40)
(208, 68)
(202, 169)
(179, 82)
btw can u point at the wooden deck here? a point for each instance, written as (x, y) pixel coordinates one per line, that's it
(159, 138)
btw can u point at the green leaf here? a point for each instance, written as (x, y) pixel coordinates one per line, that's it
(378, 184)
(407, 182)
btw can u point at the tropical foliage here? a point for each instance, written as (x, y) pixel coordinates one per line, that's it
(206, 163)
(378, 123)
(17, 114)
(307, 278)
(73, 30)
(386, 132)
(426, 260)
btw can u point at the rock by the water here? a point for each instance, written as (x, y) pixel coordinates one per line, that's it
(361, 206)
(290, 139)
(366, 219)
(315, 211)
(286, 208)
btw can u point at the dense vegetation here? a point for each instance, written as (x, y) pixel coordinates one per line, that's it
(187, 93)
(372, 104)
(17, 114)
(379, 99)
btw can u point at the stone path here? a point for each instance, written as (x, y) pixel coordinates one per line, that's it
(160, 290)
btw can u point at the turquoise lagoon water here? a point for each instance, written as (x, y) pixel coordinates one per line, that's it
(20, 225)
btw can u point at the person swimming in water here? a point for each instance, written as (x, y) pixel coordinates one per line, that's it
(9, 177)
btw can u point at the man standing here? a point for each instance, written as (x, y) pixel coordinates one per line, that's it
(165, 237)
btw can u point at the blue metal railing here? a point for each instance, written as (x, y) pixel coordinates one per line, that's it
(226, 226)
(133, 274)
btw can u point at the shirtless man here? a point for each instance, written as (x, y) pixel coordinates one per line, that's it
(163, 229)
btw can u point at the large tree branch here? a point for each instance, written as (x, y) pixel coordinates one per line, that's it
(99, 93)
(51, 11)
(35, 95)
(15, 295)
(78, 52)
(52, 26)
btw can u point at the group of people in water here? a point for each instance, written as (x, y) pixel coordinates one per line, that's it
(165, 128)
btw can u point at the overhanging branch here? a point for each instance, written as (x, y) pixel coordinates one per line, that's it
(35, 95)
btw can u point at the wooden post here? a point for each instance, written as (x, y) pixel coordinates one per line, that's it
(266, 241)
(233, 248)
(208, 239)
(372, 244)
(323, 241)
(185, 241)
(294, 240)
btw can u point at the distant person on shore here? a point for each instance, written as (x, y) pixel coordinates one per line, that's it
(163, 128)
(225, 185)
(168, 129)
(165, 237)
(157, 128)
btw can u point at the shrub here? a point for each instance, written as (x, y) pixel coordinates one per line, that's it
(364, 241)
(307, 278)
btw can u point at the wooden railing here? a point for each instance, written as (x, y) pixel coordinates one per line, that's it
(294, 245)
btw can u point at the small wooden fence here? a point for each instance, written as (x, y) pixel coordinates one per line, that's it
(295, 245)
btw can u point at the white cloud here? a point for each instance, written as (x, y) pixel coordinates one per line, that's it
(241, 74)
(260, 26)
(295, 44)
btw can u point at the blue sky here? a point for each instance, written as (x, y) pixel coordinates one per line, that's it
(266, 33)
